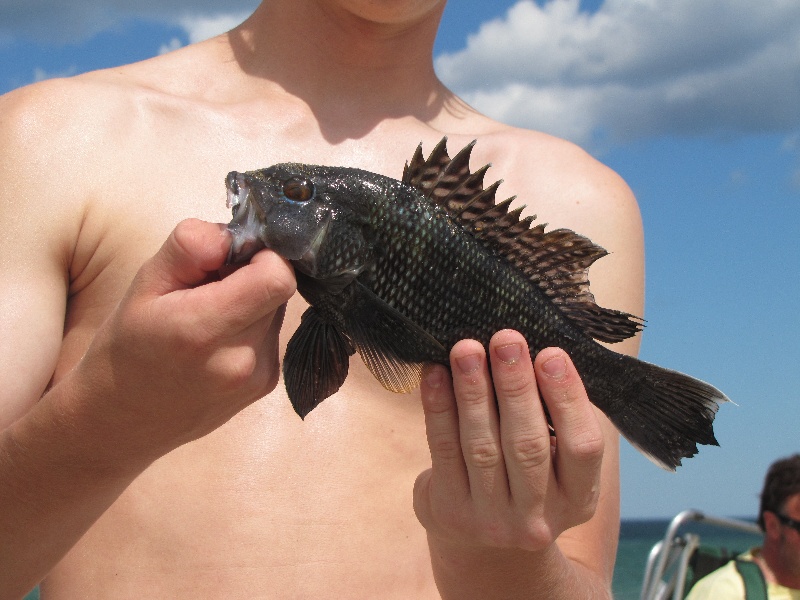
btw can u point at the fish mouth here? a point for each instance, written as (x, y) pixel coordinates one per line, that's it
(247, 226)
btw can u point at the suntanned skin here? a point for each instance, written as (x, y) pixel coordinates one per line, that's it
(147, 448)
(780, 554)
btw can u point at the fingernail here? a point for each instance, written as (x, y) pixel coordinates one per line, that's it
(432, 374)
(509, 353)
(555, 367)
(469, 364)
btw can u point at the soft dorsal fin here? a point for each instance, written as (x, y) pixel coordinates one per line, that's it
(557, 261)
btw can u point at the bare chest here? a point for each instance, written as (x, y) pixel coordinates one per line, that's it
(266, 500)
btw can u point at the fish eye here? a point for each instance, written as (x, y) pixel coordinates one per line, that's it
(298, 189)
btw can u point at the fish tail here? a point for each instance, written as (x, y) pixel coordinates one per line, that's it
(665, 414)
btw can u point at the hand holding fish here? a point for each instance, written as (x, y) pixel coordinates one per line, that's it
(208, 346)
(181, 353)
(498, 490)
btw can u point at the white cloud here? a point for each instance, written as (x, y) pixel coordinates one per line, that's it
(40, 74)
(636, 67)
(201, 28)
(171, 45)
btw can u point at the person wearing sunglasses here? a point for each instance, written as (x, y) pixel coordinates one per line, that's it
(779, 557)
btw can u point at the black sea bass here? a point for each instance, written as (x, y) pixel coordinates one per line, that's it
(399, 271)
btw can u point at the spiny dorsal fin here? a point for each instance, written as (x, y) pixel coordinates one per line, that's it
(557, 261)
(440, 178)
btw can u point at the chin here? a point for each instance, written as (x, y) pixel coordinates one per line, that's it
(392, 12)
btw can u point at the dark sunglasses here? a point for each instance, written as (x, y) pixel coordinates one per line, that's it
(788, 522)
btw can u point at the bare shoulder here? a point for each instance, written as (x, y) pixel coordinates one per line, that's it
(55, 138)
(65, 103)
(43, 136)
(57, 129)
(78, 111)
(566, 187)
(561, 182)
(60, 139)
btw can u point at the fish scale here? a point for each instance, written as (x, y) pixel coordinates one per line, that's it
(401, 270)
(454, 307)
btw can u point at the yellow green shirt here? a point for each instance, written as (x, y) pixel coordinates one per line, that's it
(726, 584)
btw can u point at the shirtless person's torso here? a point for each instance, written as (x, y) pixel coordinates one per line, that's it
(98, 170)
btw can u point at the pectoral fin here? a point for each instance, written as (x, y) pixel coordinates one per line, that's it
(316, 362)
(393, 347)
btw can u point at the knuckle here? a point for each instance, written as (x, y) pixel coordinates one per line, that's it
(235, 367)
(185, 329)
(514, 387)
(195, 334)
(585, 442)
(494, 532)
(183, 232)
(531, 451)
(472, 395)
(437, 404)
(560, 398)
(282, 288)
(589, 447)
(183, 240)
(273, 280)
(445, 447)
(483, 453)
(535, 535)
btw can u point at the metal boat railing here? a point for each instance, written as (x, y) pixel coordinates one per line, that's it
(668, 562)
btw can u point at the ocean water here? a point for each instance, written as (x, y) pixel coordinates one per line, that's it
(635, 541)
(638, 537)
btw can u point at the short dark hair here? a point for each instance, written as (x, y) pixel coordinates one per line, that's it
(781, 482)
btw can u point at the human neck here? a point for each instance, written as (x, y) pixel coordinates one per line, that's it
(775, 570)
(339, 63)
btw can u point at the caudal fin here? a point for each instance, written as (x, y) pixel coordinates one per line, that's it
(668, 415)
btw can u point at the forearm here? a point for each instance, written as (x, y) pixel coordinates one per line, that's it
(61, 466)
(466, 574)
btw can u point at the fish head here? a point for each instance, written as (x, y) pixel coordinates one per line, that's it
(302, 212)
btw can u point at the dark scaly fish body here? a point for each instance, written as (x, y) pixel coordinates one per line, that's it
(399, 271)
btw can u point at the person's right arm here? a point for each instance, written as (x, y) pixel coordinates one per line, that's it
(180, 355)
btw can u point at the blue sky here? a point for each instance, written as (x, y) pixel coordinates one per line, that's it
(695, 104)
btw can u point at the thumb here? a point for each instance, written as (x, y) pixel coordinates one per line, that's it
(194, 250)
